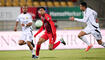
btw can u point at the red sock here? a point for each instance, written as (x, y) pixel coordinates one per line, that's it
(37, 49)
(56, 44)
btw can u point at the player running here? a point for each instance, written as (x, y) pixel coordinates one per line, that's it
(90, 17)
(26, 23)
(50, 32)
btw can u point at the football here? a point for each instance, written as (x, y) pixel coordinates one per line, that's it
(38, 23)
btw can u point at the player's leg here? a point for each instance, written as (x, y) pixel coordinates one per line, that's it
(98, 37)
(60, 41)
(29, 40)
(32, 43)
(29, 45)
(52, 44)
(101, 43)
(21, 42)
(83, 38)
(22, 39)
(41, 40)
(51, 41)
(31, 48)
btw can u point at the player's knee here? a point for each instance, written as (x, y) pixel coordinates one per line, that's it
(50, 48)
(79, 36)
(28, 43)
(20, 43)
(99, 42)
(40, 41)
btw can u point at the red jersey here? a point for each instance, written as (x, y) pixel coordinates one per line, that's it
(48, 24)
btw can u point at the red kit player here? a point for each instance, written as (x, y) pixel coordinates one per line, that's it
(50, 32)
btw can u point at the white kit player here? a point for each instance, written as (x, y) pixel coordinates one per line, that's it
(25, 20)
(90, 17)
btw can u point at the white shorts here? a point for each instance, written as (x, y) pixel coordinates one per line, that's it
(27, 36)
(95, 32)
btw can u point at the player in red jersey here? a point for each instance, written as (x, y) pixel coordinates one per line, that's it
(50, 32)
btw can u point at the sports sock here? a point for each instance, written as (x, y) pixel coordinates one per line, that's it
(56, 44)
(33, 53)
(37, 49)
(83, 38)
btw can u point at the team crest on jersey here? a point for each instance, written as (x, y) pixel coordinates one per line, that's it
(48, 18)
(26, 17)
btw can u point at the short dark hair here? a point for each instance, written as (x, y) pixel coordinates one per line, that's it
(84, 4)
(41, 8)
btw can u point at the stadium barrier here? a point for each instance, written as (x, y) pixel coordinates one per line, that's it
(9, 13)
(9, 40)
(63, 13)
(57, 13)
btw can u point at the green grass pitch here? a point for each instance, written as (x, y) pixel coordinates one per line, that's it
(71, 54)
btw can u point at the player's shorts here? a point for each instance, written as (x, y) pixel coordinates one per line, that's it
(95, 32)
(52, 38)
(27, 36)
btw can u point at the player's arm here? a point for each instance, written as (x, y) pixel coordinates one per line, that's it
(40, 30)
(29, 24)
(17, 22)
(81, 20)
(15, 28)
(85, 18)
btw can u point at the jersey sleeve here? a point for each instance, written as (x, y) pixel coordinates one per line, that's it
(85, 18)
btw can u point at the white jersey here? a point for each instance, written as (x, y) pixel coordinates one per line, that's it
(25, 19)
(89, 16)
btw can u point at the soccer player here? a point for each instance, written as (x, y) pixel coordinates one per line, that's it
(90, 18)
(50, 32)
(26, 23)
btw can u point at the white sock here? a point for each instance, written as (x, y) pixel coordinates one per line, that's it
(83, 38)
(103, 44)
(33, 53)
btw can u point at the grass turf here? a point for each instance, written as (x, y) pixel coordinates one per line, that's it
(72, 54)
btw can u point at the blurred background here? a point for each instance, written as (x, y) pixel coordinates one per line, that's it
(60, 10)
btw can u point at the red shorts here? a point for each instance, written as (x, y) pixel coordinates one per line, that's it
(50, 36)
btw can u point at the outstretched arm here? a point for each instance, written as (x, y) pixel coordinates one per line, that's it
(85, 18)
(40, 30)
(81, 20)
